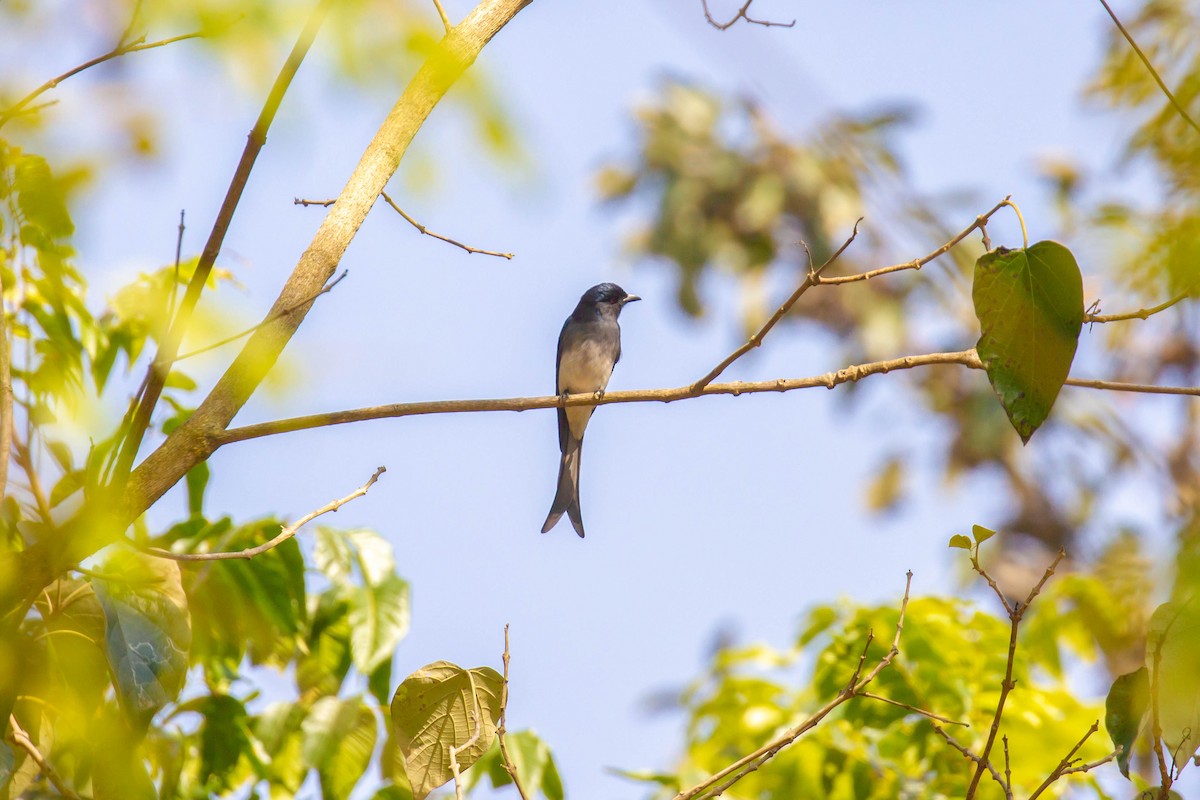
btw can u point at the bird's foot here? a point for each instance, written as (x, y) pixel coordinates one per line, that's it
(598, 394)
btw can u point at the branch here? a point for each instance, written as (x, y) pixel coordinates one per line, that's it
(20, 738)
(980, 762)
(757, 339)
(121, 49)
(164, 358)
(501, 731)
(196, 439)
(742, 14)
(828, 380)
(1153, 72)
(454, 751)
(442, 13)
(713, 786)
(914, 709)
(300, 202)
(1015, 613)
(285, 534)
(1066, 764)
(326, 288)
(1141, 313)
(6, 399)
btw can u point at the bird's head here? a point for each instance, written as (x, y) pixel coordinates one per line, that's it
(607, 297)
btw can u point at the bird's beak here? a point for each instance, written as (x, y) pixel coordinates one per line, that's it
(629, 298)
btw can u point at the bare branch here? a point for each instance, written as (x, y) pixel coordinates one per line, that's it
(285, 534)
(977, 760)
(914, 709)
(1141, 313)
(1015, 613)
(175, 275)
(502, 731)
(20, 738)
(828, 380)
(121, 49)
(421, 228)
(743, 13)
(282, 312)
(757, 339)
(1153, 72)
(717, 783)
(1067, 762)
(442, 13)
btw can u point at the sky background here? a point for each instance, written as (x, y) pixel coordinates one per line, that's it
(705, 515)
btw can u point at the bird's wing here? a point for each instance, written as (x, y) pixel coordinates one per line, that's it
(563, 428)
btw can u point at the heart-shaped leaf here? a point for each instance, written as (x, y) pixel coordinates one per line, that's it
(439, 707)
(1030, 308)
(1173, 651)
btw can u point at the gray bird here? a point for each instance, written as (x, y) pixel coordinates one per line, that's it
(588, 349)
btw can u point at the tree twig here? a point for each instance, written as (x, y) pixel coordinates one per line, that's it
(1016, 611)
(282, 312)
(164, 358)
(420, 228)
(501, 731)
(285, 534)
(828, 380)
(22, 740)
(1141, 313)
(477, 715)
(977, 760)
(914, 709)
(720, 781)
(743, 13)
(1066, 763)
(1153, 72)
(122, 48)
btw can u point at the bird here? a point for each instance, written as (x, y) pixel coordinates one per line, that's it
(589, 346)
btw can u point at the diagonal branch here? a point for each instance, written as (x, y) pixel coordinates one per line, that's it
(20, 738)
(743, 13)
(1141, 313)
(1153, 72)
(977, 760)
(164, 358)
(502, 731)
(1068, 761)
(288, 531)
(199, 437)
(123, 48)
(717, 783)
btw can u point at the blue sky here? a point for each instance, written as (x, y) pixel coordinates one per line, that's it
(714, 512)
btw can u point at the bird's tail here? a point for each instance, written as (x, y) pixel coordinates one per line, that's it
(566, 499)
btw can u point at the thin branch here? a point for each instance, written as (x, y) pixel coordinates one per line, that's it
(757, 339)
(1141, 313)
(1007, 768)
(1091, 765)
(743, 14)
(1153, 72)
(25, 460)
(1016, 612)
(442, 13)
(1066, 763)
(285, 534)
(914, 709)
(20, 738)
(6, 398)
(977, 760)
(501, 730)
(281, 313)
(164, 358)
(121, 49)
(719, 782)
(421, 228)
(828, 380)
(175, 276)
(980, 224)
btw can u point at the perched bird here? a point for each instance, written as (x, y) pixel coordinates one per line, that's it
(588, 349)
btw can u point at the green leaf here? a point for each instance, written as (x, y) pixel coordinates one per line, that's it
(1030, 309)
(223, 737)
(323, 668)
(434, 709)
(41, 198)
(67, 485)
(981, 534)
(338, 552)
(379, 616)
(276, 729)
(534, 763)
(1125, 707)
(379, 683)
(339, 737)
(147, 631)
(197, 481)
(393, 792)
(960, 541)
(1173, 650)
(7, 762)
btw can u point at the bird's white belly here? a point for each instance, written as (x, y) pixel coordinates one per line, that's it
(587, 370)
